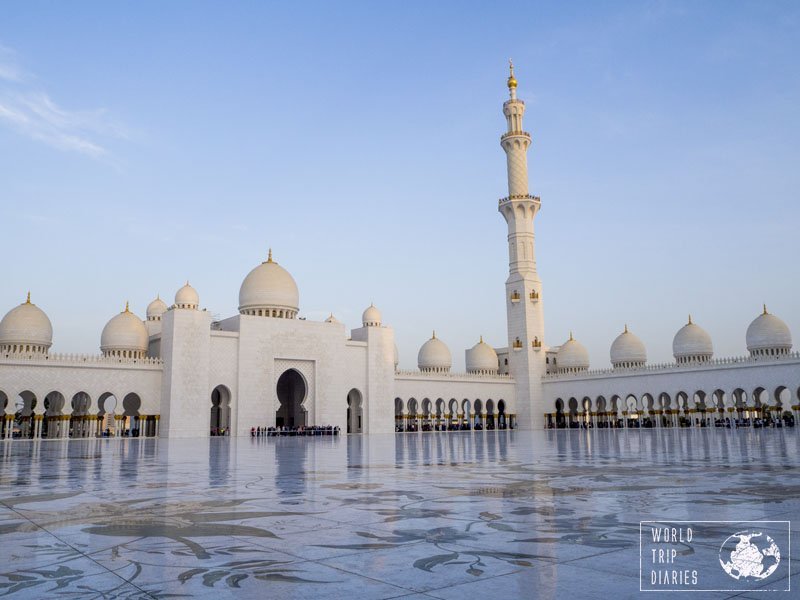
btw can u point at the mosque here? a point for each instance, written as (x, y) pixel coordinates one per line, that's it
(179, 373)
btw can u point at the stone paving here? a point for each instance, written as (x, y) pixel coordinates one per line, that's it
(546, 514)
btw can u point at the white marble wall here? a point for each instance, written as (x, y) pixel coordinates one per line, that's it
(186, 351)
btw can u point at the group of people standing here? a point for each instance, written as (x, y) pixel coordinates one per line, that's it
(291, 431)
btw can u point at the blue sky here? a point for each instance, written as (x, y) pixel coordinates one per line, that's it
(144, 144)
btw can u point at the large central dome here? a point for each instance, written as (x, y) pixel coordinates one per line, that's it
(269, 291)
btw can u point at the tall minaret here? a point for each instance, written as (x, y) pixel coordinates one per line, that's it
(526, 355)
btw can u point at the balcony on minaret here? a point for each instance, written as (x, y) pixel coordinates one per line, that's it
(508, 199)
(509, 134)
(517, 345)
(534, 296)
(536, 344)
(515, 297)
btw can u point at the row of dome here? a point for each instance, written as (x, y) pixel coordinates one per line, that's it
(767, 335)
(268, 290)
(27, 328)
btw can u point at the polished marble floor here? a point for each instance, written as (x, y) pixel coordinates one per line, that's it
(548, 514)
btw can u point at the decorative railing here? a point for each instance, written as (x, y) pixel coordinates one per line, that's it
(445, 375)
(519, 197)
(509, 134)
(689, 366)
(78, 359)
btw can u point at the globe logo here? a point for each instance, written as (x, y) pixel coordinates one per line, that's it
(749, 556)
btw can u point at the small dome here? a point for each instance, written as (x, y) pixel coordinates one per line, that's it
(434, 355)
(331, 319)
(692, 344)
(156, 309)
(768, 335)
(371, 317)
(269, 291)
(26, 328)
(572, 356)
(627, 351)
(481, 358)
(187, 297)
(124, 335)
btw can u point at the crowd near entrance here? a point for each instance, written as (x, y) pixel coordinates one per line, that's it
(439, 415)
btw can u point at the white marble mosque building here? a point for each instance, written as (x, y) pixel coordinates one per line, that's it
(178, 373)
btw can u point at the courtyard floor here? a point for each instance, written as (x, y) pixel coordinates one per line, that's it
(546, 514)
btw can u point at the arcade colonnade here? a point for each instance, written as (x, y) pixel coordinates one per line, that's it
(770, 391)
(414, 415)
(56, 415)
(682, 409)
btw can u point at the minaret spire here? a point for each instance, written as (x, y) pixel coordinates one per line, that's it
(519, 207)
(524, 300)
(512, 82)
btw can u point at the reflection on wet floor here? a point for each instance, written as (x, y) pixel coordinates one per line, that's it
(494, 514)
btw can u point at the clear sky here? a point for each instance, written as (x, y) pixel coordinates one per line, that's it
(144, 144)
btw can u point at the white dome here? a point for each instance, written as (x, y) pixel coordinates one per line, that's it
(187, 297)
(124, 333)
(434, 355)
(768, 335)
(572, 356)
(371, 317)
(628, 350)
(156, 309)
(481, 358)
(692, 344)
(26, 325)
(269, 290)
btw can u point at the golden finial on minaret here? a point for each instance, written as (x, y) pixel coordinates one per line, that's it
(765, 310)
(626, 328)
(28, 300)
(570, 337)
(127, 306)
(512, 81)
(269, 256)
(433, 337)
(690, 320)
(481, 341)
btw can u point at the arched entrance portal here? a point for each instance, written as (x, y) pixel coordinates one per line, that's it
(354, 411)
(220, 411)
(292, 392)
